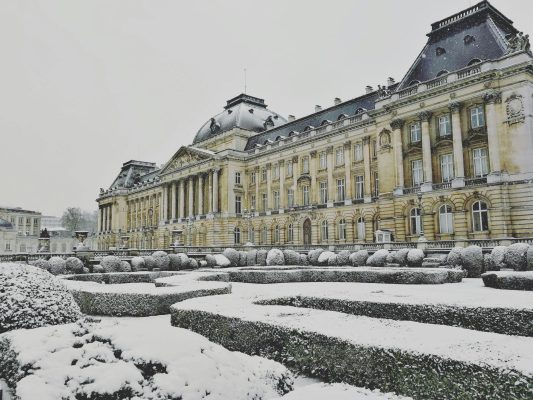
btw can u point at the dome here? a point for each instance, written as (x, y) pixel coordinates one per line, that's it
(245, 112)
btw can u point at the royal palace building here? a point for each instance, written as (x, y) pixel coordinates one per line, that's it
(446, 153)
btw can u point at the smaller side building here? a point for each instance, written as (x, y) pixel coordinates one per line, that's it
(19, 230)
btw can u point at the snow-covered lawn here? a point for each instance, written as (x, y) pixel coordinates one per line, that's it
(141, 358)
(338, 391)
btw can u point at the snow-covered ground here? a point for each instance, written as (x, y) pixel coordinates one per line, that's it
(337, 391)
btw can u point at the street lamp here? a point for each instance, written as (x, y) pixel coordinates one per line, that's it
(421, 237)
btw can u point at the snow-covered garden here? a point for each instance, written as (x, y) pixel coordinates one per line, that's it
(276, 324)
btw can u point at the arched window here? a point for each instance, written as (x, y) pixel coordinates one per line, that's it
(264, 235)
(361, 228)
(480, 216)
(290, 233)
(445, 219)
(474, 61)
(324, 230)
(342, 229)
(276, 234)
(251, 235)
(342, 116)
(414, 221)
(278, 138)
(443, 72)
(413, 83)
(325, 122)
(360, 110)
(308, 128)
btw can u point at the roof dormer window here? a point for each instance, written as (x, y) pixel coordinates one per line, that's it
(439, 51)
(469, 39)
(443, 72)
(474, 61)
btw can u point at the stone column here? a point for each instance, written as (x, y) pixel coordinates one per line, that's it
(210, 192)
(313, 170)
(173, 200)
(215, 189)
(200, 194)
(348, 172)
(368, 179)
(269, 186)
(397, 125)
(257, 174)
(191, 196)
(106, 218)
(331, 184)
(458, 161)
(182, 198)
(492, 120)
(427, 186)
(295, 174)
(282, 194)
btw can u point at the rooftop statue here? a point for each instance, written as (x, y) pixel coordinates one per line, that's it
(518, 42)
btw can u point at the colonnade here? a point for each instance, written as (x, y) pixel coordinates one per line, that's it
(105, 218)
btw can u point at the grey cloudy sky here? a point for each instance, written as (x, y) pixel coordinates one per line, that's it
(88, 85)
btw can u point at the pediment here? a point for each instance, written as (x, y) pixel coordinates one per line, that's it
(185, 157)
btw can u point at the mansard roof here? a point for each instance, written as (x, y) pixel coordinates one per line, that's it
(133, 172)
(475, 34)
(342, 110)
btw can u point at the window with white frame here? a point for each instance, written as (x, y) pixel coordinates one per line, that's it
(414, 221)
(323, 192)
(8, 246)
(305, 195)
(446, 167)
(275, 171)
(276, 199)
(323, 160)
(22, 248)
(480, 161)
(264, 235)
(339, 156)
(305, 165)
(253, 177)
(445, 219)
(361, 228)
(289, 168)
(359, 187)
(342, 229)
(416, 132)
(290, 233)
(480, 216)
(324, 232)
(445, 126)
(358, 152)
(477, 117)
(238, 204)
(290, 198)
(264, 201)
(237, 178)
(374, 148)
(376, 184)
(264, 175)
(237, 236)
(253, 202)
(417, 172)
(277, 236)
(340, 189)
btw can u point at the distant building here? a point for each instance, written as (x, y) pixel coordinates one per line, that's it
(19, 230)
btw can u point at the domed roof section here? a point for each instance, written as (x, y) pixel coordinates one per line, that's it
(245, 112)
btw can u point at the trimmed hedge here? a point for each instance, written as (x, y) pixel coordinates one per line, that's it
(422, 376)
(507, 321)
(509, 280)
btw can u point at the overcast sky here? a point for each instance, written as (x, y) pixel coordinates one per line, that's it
(88, 85)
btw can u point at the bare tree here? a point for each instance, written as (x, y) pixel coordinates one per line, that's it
(72, 219)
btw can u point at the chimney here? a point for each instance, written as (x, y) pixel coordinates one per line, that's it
(337, 101)
(369, 89)
(291, 118)
(318, 108)
(390, 81)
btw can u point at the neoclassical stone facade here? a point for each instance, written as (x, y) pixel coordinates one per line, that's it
(447, 152)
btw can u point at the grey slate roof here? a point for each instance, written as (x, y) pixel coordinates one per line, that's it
(5, 224)
(134, 172)
(348, 108)
(475, 33)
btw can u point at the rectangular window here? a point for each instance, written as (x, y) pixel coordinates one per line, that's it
(359, 187)
(416, 132)
(253, 177)
(289, 168)
(305, 195)
(374, 148)
(35, 222)
(323, 192)
(21, 221)
(477, 117)
(339, 156)
(358, 152)
(237, 178)
(238, 204)
(8, 246)
(445, 127)
(376, 184)
(253, 204)
(276, 171)
(276, 200)
(446, 167)
(417, 172)
(340, 189)
(263, 175)
(305, 165)
(323, 160)
(480, 162)
(290, 198)
(264, 201)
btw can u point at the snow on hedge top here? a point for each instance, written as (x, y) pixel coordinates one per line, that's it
(74, 361)
(338, 391)
(31, 297)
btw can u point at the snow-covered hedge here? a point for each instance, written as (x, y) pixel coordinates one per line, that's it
(516, 256)
(378, 259)
(217, 261)
(343, 258)
(275, 257)
(323, 258)
(251, 257)
(332, 260)
(162, 260)
(125, 266)
(242, 259)
(137, 263)
(400, 257)
(313, 256)
(261, 257)
(31, 297)
(529, 258)
(111, 264)
(291, 257)
(142, 358)
(358, 259)
(497, 258)
(149, 263)
(42, 263)
(58, 265)
(304, 260)
(512, 280)
(233, 256)
(415, 258)
(455, 257)
(98, 269)
(74, 265)
(473, 261)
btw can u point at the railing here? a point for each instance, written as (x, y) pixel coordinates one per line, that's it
(482, 180)
(403, 245)
(437, 82)
(442, 185)
(32, 256)
(408, 92)
(476, 69)
(411, 190)
(441, 244)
